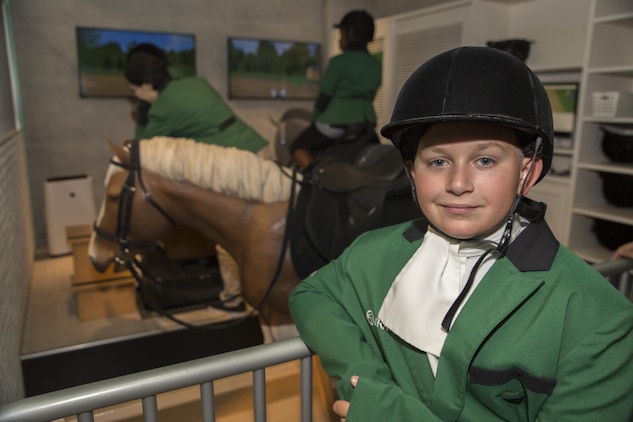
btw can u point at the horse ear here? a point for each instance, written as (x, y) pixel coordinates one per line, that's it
(119, 151)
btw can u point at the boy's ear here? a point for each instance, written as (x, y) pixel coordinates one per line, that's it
(532, 176)
(408, 167)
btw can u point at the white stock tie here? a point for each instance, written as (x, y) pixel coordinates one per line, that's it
(422, 293)
(429, 283)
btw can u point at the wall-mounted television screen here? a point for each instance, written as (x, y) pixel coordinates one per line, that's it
(101, 56)
(273, 69)
(563, 97)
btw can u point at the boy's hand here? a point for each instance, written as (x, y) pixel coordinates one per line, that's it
(341, 407)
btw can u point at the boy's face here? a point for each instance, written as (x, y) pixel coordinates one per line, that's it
(467, 175)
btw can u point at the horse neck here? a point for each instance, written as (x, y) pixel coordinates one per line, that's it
(223, 219)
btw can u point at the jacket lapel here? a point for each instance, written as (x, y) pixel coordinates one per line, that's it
(508, 284)
(420, 371)
(500, 292)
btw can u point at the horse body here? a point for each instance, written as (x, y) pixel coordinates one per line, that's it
(251, 231)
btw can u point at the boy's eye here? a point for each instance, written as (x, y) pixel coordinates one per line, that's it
(438, 163)
(485, 161)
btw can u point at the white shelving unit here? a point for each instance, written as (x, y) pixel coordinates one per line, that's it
(608, 67)
(558, 29)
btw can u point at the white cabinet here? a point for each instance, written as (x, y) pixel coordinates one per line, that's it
(608, 67)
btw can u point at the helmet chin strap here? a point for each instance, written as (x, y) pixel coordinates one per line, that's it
(414, 193)
(505, 237)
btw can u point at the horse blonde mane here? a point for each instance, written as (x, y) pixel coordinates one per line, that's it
(225, 170)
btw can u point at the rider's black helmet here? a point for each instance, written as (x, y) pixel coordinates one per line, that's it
(473, 84)
(359, 26)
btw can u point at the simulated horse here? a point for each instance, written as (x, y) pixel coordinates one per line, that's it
(230, 196)
(235, 198)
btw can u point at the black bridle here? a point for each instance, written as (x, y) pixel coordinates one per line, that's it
(124, 215)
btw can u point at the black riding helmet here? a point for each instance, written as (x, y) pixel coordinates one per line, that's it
(359, 26)
(481, 84)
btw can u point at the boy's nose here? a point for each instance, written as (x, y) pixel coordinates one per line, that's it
(460, 180)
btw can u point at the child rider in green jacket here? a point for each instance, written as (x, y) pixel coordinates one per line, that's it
(475, 313)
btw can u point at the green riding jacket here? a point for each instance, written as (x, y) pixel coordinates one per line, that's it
(192, 108)
(543, 337)
(351, 80)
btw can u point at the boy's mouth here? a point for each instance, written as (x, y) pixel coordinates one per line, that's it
(458, 209)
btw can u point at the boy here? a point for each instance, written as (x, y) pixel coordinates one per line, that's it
(477, 314)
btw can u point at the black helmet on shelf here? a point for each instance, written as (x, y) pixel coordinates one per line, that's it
(617, 142)
(359, 26)
(479, 84)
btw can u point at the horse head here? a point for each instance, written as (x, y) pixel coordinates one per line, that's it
(127, 222)
(289, 126)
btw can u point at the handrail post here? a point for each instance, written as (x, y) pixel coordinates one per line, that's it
(86, 416)
(150, 409)
(207, 398)
(306, 389)
(259, 394)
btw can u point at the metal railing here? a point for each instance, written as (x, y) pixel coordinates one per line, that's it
(618, 272)
(83, 400)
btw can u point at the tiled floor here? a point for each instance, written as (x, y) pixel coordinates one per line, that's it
(52, 323)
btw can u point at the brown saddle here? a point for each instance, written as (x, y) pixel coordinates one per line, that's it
(339, 201)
